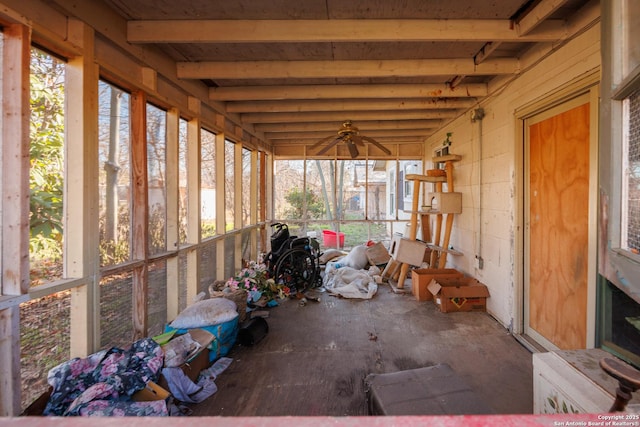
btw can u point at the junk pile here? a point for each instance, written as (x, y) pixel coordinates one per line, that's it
(355, 274)
(153, 377)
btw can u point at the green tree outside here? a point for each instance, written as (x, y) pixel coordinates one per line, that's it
(46, 157)
(296, 198)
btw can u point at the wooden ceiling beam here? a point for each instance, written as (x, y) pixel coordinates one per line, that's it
(537, 16)
(340, 116)
(383, 139)
(347, 105)
(486, 51)
(309, 92)
(220, 70)
(363, 126)
(423, 133)
(333, 30)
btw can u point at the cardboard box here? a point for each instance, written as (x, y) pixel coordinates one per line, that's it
(196, 362)
(459, 294)
(421, 277)
(151, 392)
(377, 254)
(407, 251)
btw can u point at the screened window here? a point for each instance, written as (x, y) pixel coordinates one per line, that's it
(629, 94)
(207, 183)
(343, 203)
(631, 226)
(260, 206)
(46, 152)
(156, 171)
(619, 284)
(114, 174)
(229, 184)
(183, 193)
(247, 203)
(45, 321)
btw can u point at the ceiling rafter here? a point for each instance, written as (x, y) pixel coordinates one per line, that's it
(378, 133)
(537, 16)
(406, 91)
(384, 64)
(333, 105)
(362, 125)
(334, 31)
(486, 51)
(336, 116)
(220, 70)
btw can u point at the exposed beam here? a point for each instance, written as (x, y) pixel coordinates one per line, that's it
(362, 125)
(456, 81)
(332, 30)
(486, 51)
(372, 133)
(383, 139)
(537, 16)
(256, 93)
(220, 70)
(340, 116)
(347, 105)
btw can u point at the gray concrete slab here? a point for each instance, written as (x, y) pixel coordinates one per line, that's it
(315, 357)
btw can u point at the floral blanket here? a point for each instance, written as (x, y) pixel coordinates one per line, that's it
(103, 383)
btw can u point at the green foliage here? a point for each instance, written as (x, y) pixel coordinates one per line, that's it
(296, 198)
(208, 229)
(46, 156)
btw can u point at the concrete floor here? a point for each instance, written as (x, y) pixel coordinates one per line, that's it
(315, 357)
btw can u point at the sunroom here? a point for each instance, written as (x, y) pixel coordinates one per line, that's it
(149, 147)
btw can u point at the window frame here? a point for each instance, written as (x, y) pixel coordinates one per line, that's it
(619, 266)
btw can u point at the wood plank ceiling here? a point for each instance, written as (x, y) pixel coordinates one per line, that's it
(295, 70)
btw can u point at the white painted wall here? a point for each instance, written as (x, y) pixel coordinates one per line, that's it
(494, 204)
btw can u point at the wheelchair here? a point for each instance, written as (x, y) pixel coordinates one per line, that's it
(293, 261)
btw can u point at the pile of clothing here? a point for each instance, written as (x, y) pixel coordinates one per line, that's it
(104, 383)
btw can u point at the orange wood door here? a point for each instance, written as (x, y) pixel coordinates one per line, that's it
(559, 227)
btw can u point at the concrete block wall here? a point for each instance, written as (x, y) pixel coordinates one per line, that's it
(489, 221)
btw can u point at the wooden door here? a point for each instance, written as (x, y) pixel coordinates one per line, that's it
(558, 226)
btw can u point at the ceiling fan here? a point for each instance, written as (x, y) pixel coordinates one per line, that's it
(350, 135)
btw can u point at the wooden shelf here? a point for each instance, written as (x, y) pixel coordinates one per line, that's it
(425, 178)
(447, 158)
(424, 212)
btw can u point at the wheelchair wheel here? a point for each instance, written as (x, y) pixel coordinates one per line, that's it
(297, 269)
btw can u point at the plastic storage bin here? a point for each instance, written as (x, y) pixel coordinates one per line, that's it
(330, 238)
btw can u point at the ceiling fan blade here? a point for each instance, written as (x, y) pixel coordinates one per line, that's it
(357, 139)
(353, 150)
(322, 141)
(330, 145)
(377, 144)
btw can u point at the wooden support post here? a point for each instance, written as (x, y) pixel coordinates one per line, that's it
(445, 242)
(14, 211)
(448, 166)
(139, 212)
(81, 230)
(413, 226)
(437, 232)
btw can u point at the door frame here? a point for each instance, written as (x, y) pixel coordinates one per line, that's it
(587, 87)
